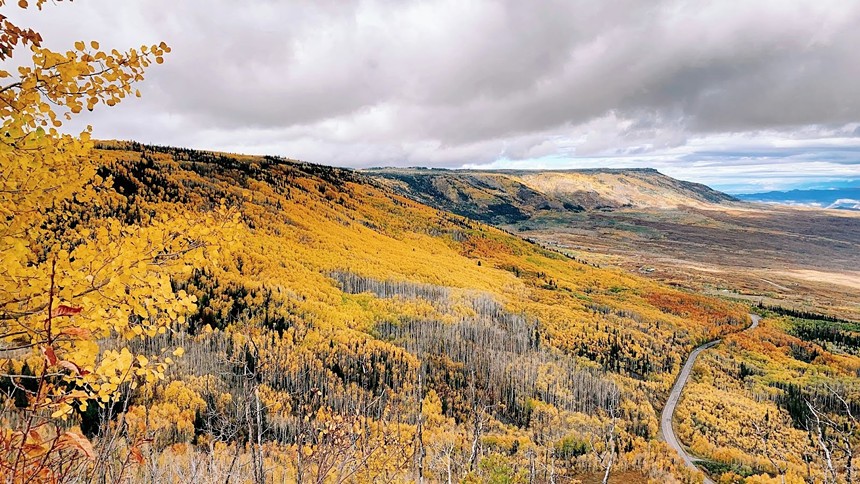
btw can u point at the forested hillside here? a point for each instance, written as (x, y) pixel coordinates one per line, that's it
(341, 331)
(773, 404)
(782, 399)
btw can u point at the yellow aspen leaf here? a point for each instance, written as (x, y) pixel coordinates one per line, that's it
(77, 394)
(94, 45)
(61, 411)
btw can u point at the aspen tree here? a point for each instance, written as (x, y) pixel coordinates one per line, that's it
(63, 288)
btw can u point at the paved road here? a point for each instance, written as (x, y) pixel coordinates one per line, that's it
(675, 395)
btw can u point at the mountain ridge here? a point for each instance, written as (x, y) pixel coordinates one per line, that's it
(509, 196)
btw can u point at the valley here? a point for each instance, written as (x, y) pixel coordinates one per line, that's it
(771, 254)
(678, 233)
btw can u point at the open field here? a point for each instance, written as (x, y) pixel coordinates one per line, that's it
(799, 258)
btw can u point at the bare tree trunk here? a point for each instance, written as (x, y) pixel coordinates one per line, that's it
(259, 470)
(764, 431)
(822, 444)
(250, 423)
(448, 464)
(299, 457)
(531, 467)
(476, 435)
(229, 478)
(420, 452)
(608, 468)
(609, 436)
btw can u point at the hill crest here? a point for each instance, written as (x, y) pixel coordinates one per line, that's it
(510, 196)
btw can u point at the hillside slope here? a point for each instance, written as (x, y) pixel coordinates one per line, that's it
(344, 333)
(507, 196)
(335, 304)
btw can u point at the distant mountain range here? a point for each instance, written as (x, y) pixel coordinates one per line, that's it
(835, 198)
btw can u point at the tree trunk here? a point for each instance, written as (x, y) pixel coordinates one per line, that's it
(419, 433)
(477, 426)
(473, 457)
(259, 471)
(608, 467)
(448, 464)
(531, 468)
(300, 477)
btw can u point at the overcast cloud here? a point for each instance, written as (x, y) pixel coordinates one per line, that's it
(739, 94)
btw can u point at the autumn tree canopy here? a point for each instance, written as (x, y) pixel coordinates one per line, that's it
(64, 288)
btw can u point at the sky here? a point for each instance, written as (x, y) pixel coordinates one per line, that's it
(745, 96)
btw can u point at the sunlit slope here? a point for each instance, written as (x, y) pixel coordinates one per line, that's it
(506, 196)
(301, 222)
(343, 292)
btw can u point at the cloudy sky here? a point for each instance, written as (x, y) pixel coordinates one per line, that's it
(744, 95)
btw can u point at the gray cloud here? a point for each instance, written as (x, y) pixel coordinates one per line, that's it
(449, 83)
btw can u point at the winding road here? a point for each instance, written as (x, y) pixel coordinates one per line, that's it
(669, 410)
